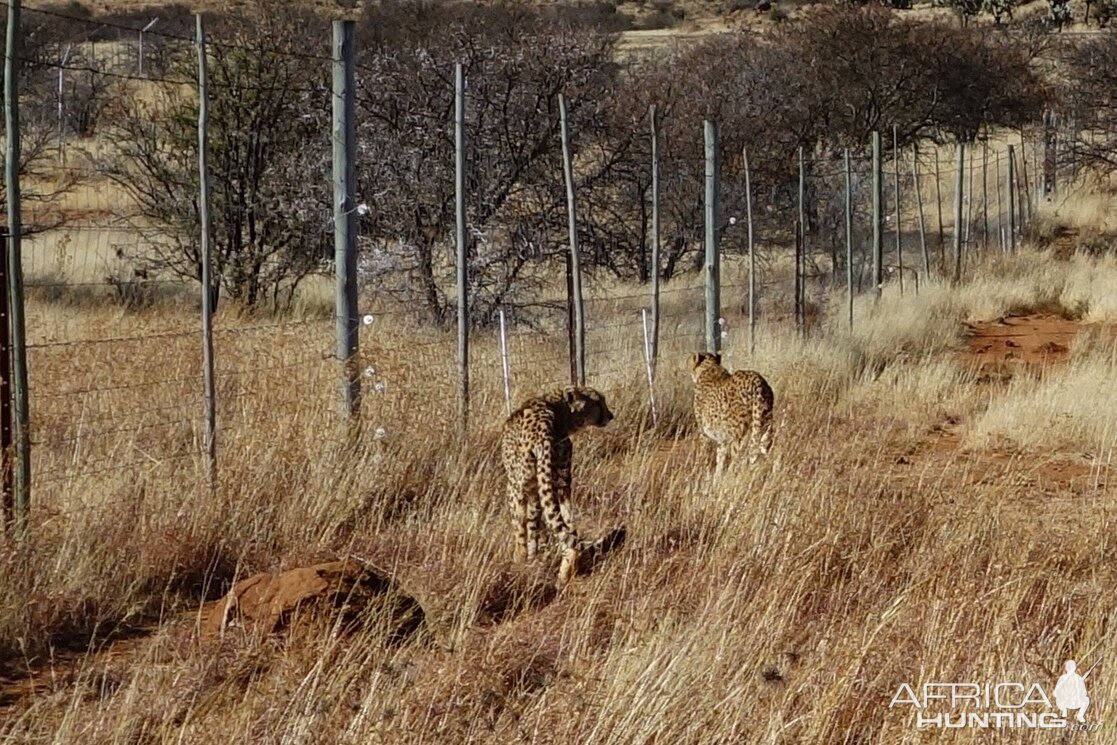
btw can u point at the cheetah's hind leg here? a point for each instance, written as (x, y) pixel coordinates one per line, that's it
(722, 456)
(766, 437)
(569, 566)
(754, 446)
(586, 555)
(760, 436)
(523, 502)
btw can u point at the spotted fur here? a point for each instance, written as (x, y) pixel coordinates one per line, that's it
(537, 455)
(731, 407)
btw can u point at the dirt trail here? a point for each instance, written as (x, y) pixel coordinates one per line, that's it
(998, 349)
(23, 679)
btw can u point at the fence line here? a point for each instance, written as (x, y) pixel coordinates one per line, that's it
(89, 413)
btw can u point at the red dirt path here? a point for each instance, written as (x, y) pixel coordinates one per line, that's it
(1013, 342)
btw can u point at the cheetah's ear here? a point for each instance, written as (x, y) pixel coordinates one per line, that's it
(570, 395)
(693, 360)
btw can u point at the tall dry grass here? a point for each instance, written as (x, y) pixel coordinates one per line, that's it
(784, 604)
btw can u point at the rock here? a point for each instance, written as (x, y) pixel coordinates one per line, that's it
(269, 602)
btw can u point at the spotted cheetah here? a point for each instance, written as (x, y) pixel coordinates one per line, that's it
(730, 406)
(537, 456)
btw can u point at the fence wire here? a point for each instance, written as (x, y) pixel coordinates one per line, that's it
(113, 324)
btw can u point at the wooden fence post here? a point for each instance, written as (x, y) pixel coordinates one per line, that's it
(1025, 203)
(1050, 154)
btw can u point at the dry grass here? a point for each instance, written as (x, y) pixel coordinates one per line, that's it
(783, 605)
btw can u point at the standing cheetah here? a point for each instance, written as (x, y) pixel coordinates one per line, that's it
(730, 406)
(537, 455)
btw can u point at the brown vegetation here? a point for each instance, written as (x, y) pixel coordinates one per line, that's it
(925, 514)
(809, 585)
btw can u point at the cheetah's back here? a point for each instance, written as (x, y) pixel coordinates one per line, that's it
(729, 408)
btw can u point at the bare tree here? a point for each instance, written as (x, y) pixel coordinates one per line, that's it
(929, 79)
(1090, 85)
(43, 183)
(517, 61)
(269, 160)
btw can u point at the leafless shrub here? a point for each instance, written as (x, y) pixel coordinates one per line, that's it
(269, 161)
(1089, 92)
(517, 63)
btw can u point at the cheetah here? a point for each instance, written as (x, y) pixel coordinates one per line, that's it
(537, 454)
(730, 406)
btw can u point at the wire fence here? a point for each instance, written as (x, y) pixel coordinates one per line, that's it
(113, 329)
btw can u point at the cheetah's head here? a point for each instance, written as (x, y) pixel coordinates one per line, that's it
(588, 406)
(700, 361)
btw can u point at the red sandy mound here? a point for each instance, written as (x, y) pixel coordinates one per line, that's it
(363, 597)
(269, 602)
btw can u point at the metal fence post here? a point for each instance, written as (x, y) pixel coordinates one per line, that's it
(713, 264)
(752, 254)
(959, 185)
(896, 206)
(21, 435)
(655, 240)
(800, 244)
(463, 257)
(6, 471)
(878, 219)
(849, 237)
(207, 280)
(575, 253)
(1011, 200)
(345, 211)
